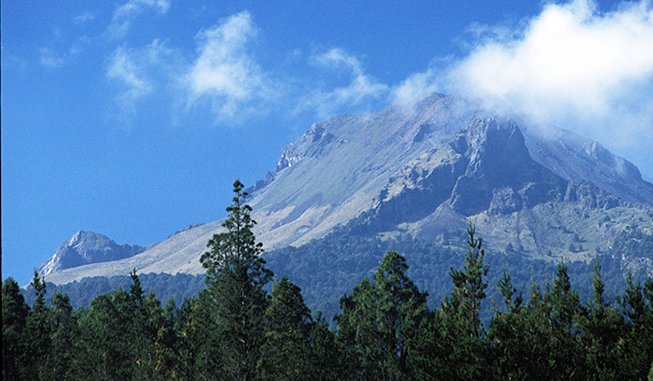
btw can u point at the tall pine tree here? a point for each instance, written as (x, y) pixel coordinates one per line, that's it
(236, 276)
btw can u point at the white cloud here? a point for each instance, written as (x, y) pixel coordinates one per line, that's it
(225, 72)
(360, 89)
(123, 15)
(570, 66)
(414, 88)
(569, 59)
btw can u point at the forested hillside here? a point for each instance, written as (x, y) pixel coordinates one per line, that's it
(237, 328)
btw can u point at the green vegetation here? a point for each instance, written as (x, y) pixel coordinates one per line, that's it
(236, 328)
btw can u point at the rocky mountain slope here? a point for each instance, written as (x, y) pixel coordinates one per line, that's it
(84, 248)
(425, 172)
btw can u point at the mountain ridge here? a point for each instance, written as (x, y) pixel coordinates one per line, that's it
(348, 170)
(86, 247)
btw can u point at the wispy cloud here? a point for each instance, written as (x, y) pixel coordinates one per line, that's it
(52, 58)
(137, 70)
(360, 89)
(224, 71)
(123, 15)
(84, 17)
(123, 68)
(414, 88)
(49, 58)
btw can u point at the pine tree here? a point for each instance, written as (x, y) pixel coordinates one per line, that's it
(14, 316)
(380, 318)
(327, 361)
(198, 345)
(604, 327)
(285, 349)
(509, 352)
(37, 332)
(64, 333)
(459, 319)
(402, 307)
(637, 306)
(236, 277)
(145, 318)
(237, 246)
(105, 348)
(165, 345)
(469, 287)
(566, 310)
(358, 334)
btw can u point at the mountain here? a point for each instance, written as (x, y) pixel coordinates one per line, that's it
(84, 248)
(534, 192)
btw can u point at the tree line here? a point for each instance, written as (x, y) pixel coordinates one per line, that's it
(238, 328)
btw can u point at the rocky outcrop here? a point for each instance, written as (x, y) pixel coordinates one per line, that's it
(84, 248)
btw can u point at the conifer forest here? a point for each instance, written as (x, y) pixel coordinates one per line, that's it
(248, 325)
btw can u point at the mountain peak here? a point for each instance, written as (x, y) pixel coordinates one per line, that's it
(423, 170)
(85, 247)
(84, 236)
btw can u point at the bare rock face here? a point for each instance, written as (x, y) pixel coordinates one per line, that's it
(423, 171)
(500, 174)
(84, 248)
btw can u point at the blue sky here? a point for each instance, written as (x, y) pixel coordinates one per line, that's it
(132, 118)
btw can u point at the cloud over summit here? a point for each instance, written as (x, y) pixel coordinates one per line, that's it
(569, 59)
(571, 66)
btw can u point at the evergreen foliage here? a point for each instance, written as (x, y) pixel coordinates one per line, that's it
(236, 277)
(14, 319)
(236, 330)
(285, 353)
(37, 332)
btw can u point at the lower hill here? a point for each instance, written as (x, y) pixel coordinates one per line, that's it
(328, 268)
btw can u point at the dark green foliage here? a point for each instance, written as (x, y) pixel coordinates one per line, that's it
(637, 306)
(285, 353)
(565, 334)
(237, 246)
(198, 356)
(37, 332)
(166, 286)
(327, 360)
(14, 316)
(384, 332)
(469, 288)
(105, 345)
(63, 335)
(327, 268)
(602, 342)
(234, 330)
(379, 319)
(458, 337)
(236, 277)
